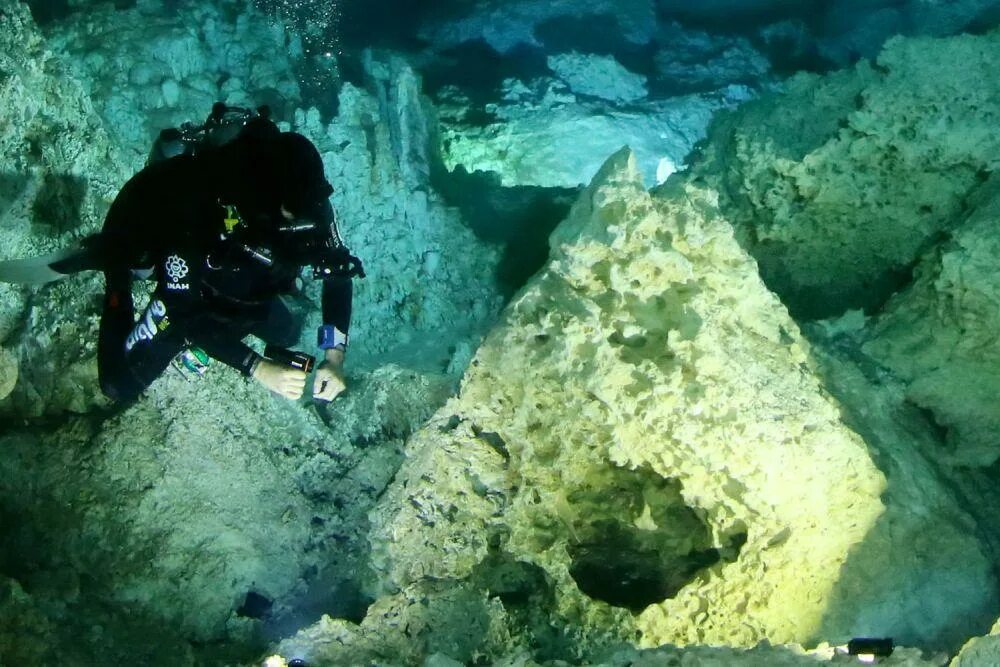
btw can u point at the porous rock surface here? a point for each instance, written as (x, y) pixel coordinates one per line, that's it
(60, 167)
(145, 531)
(154, 65)
(431, 285)
(838, 203)
(644, 431)
(946, 515)
(159, 522)
(8, 372)
(980, 651)
(940, 335)
(541, 134)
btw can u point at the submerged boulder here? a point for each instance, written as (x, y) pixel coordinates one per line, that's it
(598, 76)
(940, 336)
(837, 204)
(541, 134)
(643, 452)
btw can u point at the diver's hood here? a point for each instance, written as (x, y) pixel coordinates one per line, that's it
(264, 169)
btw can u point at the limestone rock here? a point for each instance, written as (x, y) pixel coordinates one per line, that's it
(837, 204)
(25, 632)
(8, 373)
(598, 76)
(943, 519)
(940, 335)
(60, 168)
(645, 415)
(159, 522)
(431, 284)
(692, 61)
(646, 432)
(980, 651)
(151, 67)
(542, 135)
(861, 27)
(335, 642)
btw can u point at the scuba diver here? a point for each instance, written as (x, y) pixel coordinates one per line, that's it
(224, 226)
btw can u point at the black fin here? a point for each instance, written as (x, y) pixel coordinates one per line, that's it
(48, 268)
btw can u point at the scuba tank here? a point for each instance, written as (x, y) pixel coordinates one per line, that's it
(223, 124)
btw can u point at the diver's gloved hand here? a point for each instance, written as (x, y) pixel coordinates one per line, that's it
(281, 379)
(329, 380)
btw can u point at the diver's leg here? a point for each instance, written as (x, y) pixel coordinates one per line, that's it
(146, 351)
(281, 328)
(117, 320)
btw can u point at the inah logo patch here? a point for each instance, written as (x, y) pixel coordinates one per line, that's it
(176, 268)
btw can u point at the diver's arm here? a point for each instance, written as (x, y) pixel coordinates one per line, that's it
(231, 352)
(337, 297)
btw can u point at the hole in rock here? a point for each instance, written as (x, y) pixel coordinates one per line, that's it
(255, 605)
(634, 540)
(528, 598)
(513, 582)
(625, 569)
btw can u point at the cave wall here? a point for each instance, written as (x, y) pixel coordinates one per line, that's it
(838, 204)
(644, 351)
(646, 450)
(61, 166)
(432, 284)
(939, 335)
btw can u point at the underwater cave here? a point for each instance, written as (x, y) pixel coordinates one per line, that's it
(498, 332)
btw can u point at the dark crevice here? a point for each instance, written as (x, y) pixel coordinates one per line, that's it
(521, 218)
(625, 570)
(56, 209)
(634, 542)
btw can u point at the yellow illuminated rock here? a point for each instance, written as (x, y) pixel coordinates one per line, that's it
(645, 429)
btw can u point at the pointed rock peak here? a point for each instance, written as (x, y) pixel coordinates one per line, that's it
(620, 168)
(620, 172)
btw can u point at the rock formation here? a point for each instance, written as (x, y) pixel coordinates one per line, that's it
(838, 204)
(648, 462)
(543, 135)
(940, 335)
(642, 449)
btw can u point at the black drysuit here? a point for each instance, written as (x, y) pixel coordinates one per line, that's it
(213, 288)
